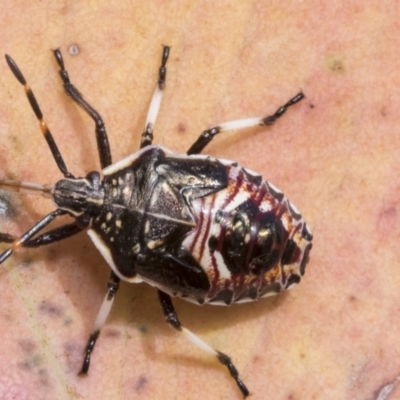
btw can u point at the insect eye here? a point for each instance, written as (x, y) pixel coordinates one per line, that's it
(83, 221)
(93, 177)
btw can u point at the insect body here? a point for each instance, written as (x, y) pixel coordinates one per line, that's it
(199, 228)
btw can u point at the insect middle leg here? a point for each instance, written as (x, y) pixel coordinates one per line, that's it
(147, 135)
(172, 319)
(208, 135)
(103, 145)
(112, 288)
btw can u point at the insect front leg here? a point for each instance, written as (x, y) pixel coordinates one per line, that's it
(112, 288)
(20, 242)
(49, 237)
(172, 319)
(208, 135)
(147, 135)
(103, 145)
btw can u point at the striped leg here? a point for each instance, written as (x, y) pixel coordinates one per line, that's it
(147, 135)
(112, 288)
(208, 135)
(172, 319)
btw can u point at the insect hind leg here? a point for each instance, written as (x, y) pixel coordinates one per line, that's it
(208, 135)
(172, 319)
(147, 135)
(112, 288)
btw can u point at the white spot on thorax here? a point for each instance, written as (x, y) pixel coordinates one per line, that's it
(147, 227)
(154, 243)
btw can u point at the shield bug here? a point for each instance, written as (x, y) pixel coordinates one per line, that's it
(196, 227)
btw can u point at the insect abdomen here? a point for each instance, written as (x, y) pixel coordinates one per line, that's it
(250, 239)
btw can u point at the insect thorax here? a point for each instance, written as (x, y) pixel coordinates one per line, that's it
(147, 212)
